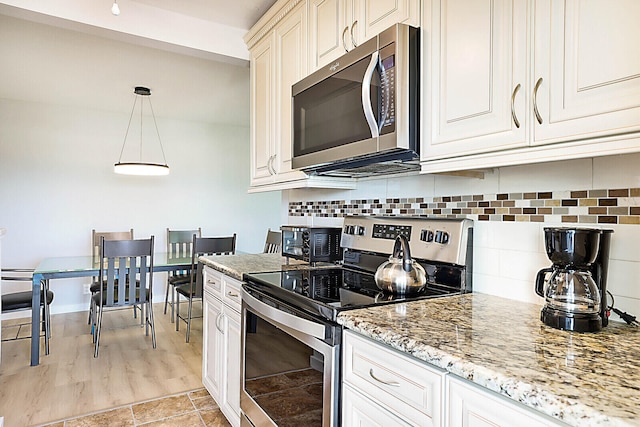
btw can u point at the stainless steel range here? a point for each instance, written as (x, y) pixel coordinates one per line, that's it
(291, 341)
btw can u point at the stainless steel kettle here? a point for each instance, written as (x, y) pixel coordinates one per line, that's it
(401, 275)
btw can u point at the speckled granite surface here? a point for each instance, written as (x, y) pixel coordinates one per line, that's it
(581, 379)
(236, 265)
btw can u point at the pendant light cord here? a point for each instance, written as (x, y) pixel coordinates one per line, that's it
(155, 123)
(135, 100)
(157, 131)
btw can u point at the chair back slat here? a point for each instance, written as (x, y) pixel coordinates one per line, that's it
(204, 246)
(96, 237)
(127, 270)
(273, 242)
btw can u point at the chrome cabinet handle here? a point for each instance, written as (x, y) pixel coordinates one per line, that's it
(344, 43)
(353, 40)
(218, 322)
(513, 109)
(391, 383)
(270, 167)
(535, 100)
(232, 294)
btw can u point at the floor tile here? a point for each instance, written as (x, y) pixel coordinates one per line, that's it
(120, 417)
(162, 408)
(214, 418)
(186, 420)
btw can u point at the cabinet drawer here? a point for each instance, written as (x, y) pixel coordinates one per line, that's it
(212, 281)
(399, 382)
(232, 295)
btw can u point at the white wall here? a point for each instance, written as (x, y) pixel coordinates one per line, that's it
(507, 255)
(56, 158)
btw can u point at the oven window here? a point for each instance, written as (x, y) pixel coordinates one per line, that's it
(282, 375)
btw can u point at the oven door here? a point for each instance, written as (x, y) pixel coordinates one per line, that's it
(290, 365)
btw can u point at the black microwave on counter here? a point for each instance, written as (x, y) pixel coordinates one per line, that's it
(311, 244)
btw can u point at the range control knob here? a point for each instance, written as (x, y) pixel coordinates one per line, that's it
(359, 230)
(442, 237)
(349, 229)
(426, 235)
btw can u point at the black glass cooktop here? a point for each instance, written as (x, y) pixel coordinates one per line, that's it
(328, 291)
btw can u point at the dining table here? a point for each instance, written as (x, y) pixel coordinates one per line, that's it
(81, 266)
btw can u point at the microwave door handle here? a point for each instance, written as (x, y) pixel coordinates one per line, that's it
(366, 95)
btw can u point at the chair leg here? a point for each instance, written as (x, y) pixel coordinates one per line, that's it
(173, 292)
(166, 297)
(97, 330)
(189, 317)
(153, 326)
(177, 306)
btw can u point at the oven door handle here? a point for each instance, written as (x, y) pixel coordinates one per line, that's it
(366, 95)
(308, 327)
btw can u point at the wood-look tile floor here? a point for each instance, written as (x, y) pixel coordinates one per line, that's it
(192, 409)
(70, 382)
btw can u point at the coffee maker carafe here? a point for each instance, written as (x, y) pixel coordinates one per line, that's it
(574, 288)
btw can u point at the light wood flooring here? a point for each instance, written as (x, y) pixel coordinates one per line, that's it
(70, 382)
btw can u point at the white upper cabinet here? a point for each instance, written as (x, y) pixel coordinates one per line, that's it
(337, 26)
(587, 63)
(512, 82)
(277, 62)
(291, 66)
(474, 76)
(262, 113)
(278, 59)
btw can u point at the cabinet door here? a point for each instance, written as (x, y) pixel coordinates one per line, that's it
(328, 30)
(231, 398)
(212, 345)
(469, 406)
(374, 16)
(291, 66)
(358, 411)
(588, 68)
(474, 78)
(262, 111)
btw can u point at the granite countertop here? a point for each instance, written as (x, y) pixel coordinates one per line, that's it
(238, 265)
(588, 379)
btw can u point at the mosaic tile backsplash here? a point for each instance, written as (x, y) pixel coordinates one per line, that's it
(606, 206)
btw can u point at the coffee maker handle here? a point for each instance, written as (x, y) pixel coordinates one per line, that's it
(540, 280)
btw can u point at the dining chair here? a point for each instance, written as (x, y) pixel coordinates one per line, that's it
(202, 246)
(96, 237)
(179, 245)
(126, 269)
(272, 242)
(22, 300)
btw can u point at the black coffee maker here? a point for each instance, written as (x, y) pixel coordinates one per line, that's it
(575, 287)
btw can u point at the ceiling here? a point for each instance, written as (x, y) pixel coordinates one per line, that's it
(235, 13)
(54, 65)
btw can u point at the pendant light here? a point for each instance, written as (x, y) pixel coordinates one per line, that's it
(140, 167)
(115, 9)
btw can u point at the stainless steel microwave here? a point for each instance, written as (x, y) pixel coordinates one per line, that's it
(361, 109)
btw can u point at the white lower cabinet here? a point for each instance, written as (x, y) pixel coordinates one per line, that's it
(400, 389)
(469, 405)
(384, 387)
(221, 342)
